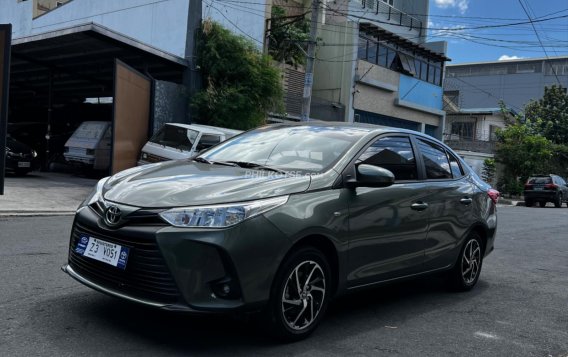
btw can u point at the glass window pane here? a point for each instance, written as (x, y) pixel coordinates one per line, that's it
(382, 56)
(362, 52)
(423, 71)
(394, 154)
(417, 68)
(390, 57)
(372, 52)
(431, 73)
(455, 166)
(435, 161)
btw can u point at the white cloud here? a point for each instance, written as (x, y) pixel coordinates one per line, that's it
(445, 3)
(508, 58)
(462, 5)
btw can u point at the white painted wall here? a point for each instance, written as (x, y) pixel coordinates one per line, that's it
(246, 19)
(159, 23)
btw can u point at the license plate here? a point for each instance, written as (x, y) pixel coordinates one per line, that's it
(24, 164)
(538, 188)
(103, 251)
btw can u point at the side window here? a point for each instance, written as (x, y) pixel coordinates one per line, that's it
(394, 154)
(435, 160)
(455, 166)
(208, 140)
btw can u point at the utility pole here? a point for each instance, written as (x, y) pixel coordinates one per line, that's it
(309, 78)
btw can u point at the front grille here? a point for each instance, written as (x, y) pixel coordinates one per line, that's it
(146, 275)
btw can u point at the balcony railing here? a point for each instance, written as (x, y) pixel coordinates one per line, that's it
(392, 14)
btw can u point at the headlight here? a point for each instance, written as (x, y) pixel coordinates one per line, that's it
(34, 153)
(95, 195)
(218, 216)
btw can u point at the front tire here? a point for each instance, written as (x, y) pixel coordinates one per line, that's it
(558, 201)
(529, 203)
(300, 295)
(465, 273)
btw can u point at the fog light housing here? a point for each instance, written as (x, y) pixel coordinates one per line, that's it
(226, 288)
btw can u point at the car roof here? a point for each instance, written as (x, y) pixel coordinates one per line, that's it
(198, 127)
(370, 128)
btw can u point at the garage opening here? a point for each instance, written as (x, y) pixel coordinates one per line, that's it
(62, 79)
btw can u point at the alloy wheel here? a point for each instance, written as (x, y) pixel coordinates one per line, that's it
(303, 295)
(471, 261)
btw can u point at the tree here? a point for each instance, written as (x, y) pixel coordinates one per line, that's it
(523, 154)
(241, 85)
(488, 173)
(288, 37)
(549, 115)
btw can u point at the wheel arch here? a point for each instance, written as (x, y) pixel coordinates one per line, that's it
(327, 247)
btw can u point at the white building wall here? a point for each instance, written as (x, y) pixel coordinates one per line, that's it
(159, 23)
(247, 19)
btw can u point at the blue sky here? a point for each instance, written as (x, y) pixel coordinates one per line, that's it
(458, 22)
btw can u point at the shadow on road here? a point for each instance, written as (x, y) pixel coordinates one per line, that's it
(100, 323)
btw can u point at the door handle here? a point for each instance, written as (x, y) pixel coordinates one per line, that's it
(466, 201)
(419, 206)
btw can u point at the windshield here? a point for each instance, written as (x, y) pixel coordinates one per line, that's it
(540, 180)
(308, 149)
(175, 137)
(90, 131)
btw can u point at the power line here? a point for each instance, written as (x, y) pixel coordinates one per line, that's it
(539, 40)
(232, 23)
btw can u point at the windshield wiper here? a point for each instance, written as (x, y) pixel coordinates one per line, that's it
(254, 165)
(205, 161)
(202, 160)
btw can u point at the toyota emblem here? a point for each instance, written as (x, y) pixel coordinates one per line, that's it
(112, 215)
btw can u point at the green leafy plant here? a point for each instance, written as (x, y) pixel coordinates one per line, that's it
(488, 171)
(240, 84)
(288, 38)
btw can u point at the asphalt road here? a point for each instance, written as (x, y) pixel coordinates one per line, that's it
(519, 307)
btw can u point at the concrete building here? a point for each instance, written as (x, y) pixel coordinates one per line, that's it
(515, 82)
(473, 92)
(472, 133)
(162, 24)
(374, 65)
(140, 53)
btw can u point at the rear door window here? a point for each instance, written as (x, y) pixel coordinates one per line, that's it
(435, 160)
(455, 166)
(393, 153)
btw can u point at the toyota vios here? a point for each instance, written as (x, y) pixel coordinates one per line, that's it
(282, 219)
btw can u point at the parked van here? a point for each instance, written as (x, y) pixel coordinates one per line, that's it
(90, 145)
(180, 141)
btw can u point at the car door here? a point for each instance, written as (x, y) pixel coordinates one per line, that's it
(450, 203)
(388, 225)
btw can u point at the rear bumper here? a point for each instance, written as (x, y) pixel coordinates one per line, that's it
(540, 195)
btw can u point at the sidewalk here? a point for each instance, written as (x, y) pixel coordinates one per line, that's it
(44, 193)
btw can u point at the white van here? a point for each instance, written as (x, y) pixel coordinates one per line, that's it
(180, 141)
(90, 145)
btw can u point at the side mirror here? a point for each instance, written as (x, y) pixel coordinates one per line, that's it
(372, 176)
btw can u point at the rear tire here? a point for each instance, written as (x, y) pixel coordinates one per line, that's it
(529, 203)
(542, 204)
(558, 201)
(465, 273)
(299, 296)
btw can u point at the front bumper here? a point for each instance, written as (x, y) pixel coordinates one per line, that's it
(183, 269)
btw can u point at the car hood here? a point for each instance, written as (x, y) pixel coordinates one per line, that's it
(185, 183)
(17, 147)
